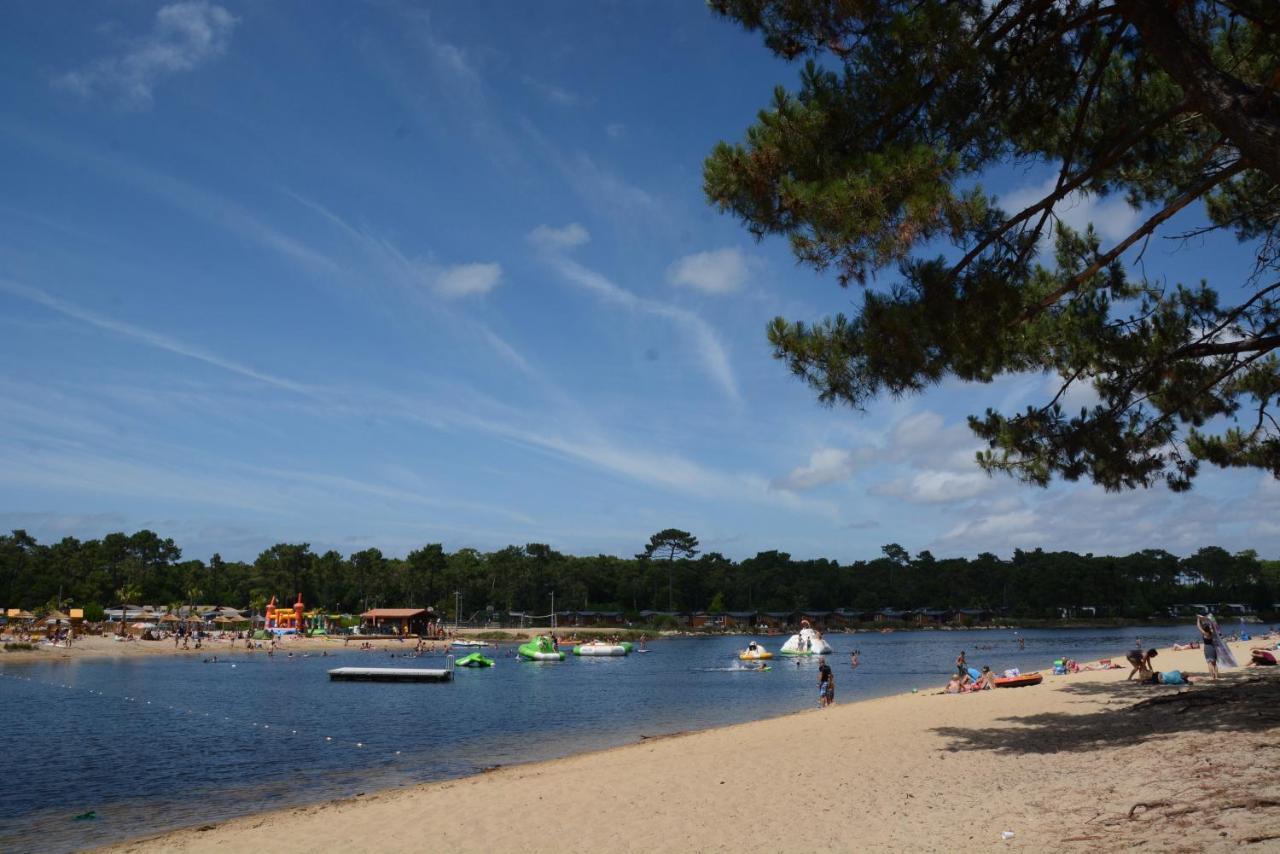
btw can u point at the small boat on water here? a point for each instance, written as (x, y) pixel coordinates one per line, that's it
(601, 648)
(1022, 680)
(475, 659)
(806, 642)
(540, 648)
(754, 652)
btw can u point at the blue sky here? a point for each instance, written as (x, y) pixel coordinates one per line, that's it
(377, 274)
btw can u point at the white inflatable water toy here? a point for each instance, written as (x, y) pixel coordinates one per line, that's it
(806, 642)
(598, 648)
(468, 644)
(540, 648)
(754, 652)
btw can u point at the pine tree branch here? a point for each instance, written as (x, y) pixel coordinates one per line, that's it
(1260, 344)
(1098, 165)
(1146, 228)
(1249, 116)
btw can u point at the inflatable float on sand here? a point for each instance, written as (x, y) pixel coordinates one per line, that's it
(1020, 681)
(806, 642)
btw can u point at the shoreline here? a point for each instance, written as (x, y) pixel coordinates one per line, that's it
(1063, 765)
(104, 646)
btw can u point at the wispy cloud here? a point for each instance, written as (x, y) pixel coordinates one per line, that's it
(413, 274)
(552, 93)
(146, 336)
(196, 201)
(184, 36)
(714, 357)
(720, 271)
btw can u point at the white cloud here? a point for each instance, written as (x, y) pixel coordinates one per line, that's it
(941, 457)
(615, 130)
(1113, 218)
(463, 280)
(549, 237)
(997, 532)
(826, 465)
(918, 430)
(721, 271)
(935, 487)
(184, 36)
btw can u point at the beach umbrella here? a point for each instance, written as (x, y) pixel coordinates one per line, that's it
(170, 618)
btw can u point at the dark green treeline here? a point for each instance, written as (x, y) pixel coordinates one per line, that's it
(144, 568)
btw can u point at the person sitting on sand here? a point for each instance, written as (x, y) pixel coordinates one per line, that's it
(986, 681)
(1141, 663)
(953, 686)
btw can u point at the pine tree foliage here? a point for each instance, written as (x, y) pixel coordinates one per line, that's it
(874, 162)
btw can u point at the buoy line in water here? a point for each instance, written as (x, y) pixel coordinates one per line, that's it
(283, 731)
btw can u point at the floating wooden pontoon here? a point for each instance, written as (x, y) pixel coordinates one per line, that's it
(389, 674)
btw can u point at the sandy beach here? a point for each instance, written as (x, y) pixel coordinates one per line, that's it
(1082, 762)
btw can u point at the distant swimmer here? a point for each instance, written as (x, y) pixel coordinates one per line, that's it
(853, 658)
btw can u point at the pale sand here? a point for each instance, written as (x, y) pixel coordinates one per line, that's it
(1061, 765)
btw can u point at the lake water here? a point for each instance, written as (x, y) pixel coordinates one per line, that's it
(158, 743)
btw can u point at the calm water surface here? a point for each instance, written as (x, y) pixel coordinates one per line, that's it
(155, 744)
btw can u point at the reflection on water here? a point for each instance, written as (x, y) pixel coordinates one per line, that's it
(154, 744)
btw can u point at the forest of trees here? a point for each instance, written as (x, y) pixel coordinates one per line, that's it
(144, 568)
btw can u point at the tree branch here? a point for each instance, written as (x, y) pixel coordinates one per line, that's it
(1063, 190)
(1147, 227)
(1247, 115)
(1260, 344)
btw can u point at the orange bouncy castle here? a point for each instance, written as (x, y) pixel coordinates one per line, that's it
(284, 621)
